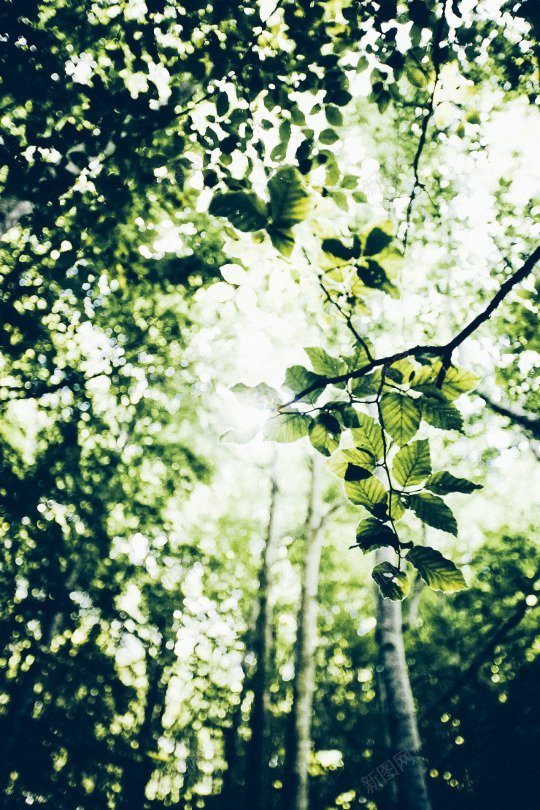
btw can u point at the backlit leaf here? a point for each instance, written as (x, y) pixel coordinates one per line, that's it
(282, 240)
(392, 582)
(368, 436)
(434, 511)
(376, 241)
(372, 534)
(325, 364)
(243, 209)
(412, 464)
(441, 414)
(444, 482)
(287, 427)
(401, 416)
(342, 459)
(289, 200)
(438, 572)
(324, 433)
(368, 493)
(298, 378)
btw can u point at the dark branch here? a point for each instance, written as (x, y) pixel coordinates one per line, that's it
(444, 351)
(346, 317)
(428, 111)
(527, 421)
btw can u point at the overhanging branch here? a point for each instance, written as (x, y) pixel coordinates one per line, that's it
(527, 421)
(443, 351)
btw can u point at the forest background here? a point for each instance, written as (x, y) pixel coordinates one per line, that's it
(269, 404)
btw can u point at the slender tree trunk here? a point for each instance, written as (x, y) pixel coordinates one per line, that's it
(389, 792)
(257, 781)
(22, 695)
(296, 769)
(399, 710)
(231, 783)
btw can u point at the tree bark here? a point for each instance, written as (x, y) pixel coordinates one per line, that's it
(257, 781)
(398, 705)
(296, 768)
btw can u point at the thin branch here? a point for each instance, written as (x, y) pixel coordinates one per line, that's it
(346, 317)
(445, 350)
(429, 109)
(528, 422)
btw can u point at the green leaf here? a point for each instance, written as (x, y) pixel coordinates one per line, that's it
(412, 464)
(433, 511)
(401, 416)
(287, 427)
(400, 371)
(350, 181)
(368, 436)
(282, 240)
(436, 571)
(392, 582)
(441, 414)
(222, 103)
(333, 115)
(343, 459)
(372, 274)
(340, 200)
(365, 386)
(358, 359)
(298, 378)
(243, 209)
(323, 363)
(457, 381)
(324, 433)
(289, 200)
(376, 241)
(262, 395)
(328, 136)
(416, 76)
(356, 473)
(372, 534)
(394, 506)
(337, 249)
(444, 482)
(369, 493)
(346, 413)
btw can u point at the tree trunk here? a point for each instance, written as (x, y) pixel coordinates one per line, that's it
(257, 781)
(232, 778)
(296, 768)
(404, 762)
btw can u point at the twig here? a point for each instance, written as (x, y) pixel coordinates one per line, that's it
(429, 109)
(528, 422)
(347, 318)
